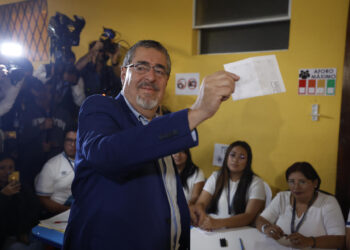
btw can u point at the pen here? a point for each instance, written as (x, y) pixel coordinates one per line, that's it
(60, 221)
(241, 242)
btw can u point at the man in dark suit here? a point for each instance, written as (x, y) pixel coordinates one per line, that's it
(126, 190)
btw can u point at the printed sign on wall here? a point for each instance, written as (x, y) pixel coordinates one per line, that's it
(187, 84)
(219, 154)
(319, 81)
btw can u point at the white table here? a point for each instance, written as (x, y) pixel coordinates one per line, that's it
(252, 239)
(200, 240)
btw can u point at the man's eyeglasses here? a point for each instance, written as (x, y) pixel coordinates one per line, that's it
(69, 140)
(143, 68)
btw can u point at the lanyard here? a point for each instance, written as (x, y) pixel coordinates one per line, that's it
(69, 161)
(229, 204)
(292, 229)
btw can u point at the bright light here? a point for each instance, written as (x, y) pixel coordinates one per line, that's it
(11, 49)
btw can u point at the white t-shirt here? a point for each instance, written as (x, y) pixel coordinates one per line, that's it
(256, 190)
(324, 217)
(197, 176)
(55, 179)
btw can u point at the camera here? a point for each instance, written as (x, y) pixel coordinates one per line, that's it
(64, 33)
(107, 38)
(15, 73)
(15, 70)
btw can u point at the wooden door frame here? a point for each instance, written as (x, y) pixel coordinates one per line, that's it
(343, 164)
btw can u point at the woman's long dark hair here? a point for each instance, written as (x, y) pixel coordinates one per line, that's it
(189, 169)
(239, 200)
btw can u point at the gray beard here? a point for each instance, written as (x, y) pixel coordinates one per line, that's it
(148, 105)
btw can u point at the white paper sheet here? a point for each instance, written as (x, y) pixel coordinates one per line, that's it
(258, 76)
(58, 222)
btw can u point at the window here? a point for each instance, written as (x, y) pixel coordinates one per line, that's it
(26, 23)
(241, 25)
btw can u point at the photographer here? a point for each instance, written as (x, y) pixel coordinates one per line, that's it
(69, 88)
(41, 133)
(12, 80)
(99, 78)
(8, 92)
(68, 91)
(16, 77)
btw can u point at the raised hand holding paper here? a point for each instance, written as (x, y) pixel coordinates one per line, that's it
(258, 76)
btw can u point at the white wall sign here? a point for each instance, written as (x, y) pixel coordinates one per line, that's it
(187, 83)
(318, 81)
(219, 154)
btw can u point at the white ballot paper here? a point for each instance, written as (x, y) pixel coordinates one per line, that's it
(258, 76)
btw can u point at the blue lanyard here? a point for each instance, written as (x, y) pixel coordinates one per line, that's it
(229, 204)
(69, 161)
(292, 229)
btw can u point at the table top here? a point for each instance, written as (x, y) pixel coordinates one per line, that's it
(250, 237)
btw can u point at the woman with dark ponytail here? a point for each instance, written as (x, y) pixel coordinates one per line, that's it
(232, 196)
(192, 177)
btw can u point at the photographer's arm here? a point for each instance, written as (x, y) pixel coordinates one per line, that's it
(78, 92)
(90, 56)
(9, 93)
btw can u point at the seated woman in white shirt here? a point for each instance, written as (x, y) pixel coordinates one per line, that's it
(192, 177)
(232, 196)
(304, 217)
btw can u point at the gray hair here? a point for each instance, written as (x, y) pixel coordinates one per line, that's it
(147, 44)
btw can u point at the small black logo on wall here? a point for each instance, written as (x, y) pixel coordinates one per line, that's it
(304, 74)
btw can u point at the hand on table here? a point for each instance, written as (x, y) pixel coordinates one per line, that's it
(300, 241)
(209, 223)
(274, 232)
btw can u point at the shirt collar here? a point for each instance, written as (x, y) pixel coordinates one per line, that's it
(139, 116)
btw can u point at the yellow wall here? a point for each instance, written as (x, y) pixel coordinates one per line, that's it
(278, 127)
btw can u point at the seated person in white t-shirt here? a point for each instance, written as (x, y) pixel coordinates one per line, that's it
(304, 216)
(348, 232)
(192, 177)
(53, 184)
(232, 196)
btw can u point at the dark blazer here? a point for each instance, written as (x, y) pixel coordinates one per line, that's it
(120, 199)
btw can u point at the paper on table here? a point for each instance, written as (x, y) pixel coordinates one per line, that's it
(57, 222)
(271, 244)
(258, 76)
(204, 231)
